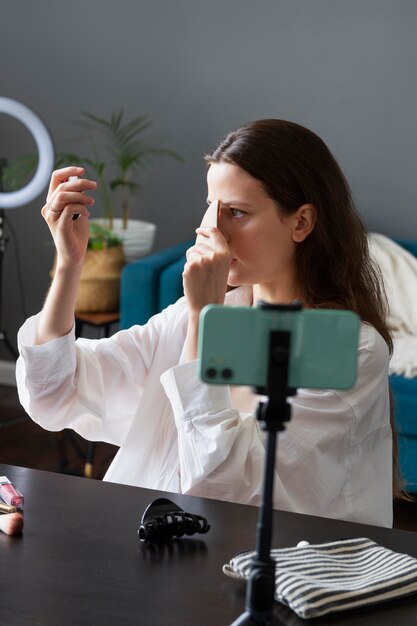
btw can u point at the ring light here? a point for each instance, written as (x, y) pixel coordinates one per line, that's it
(13, 199)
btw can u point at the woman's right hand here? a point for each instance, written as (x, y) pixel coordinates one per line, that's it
(65, 200)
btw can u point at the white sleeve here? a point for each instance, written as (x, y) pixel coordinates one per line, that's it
(221, 451)
(92, 386)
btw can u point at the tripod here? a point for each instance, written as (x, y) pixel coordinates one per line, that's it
(3, 245)
(3, 335)
(272, 414)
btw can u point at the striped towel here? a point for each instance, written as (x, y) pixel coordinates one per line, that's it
(325, 578)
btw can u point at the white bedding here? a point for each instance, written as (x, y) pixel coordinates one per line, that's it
(399, 269)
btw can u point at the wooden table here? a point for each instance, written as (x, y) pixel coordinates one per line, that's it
(79, 562)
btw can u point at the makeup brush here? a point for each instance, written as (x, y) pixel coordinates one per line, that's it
(11, 523)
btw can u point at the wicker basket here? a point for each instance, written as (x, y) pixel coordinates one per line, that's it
(99, 287)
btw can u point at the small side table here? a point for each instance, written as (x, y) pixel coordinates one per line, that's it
(102, 322)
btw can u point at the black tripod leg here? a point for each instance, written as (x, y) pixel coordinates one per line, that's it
(9, 345)
(261, 583)
(3, 243)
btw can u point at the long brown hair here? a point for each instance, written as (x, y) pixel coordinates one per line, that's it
(333, 265)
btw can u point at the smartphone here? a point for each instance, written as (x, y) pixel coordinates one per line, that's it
(233, 346)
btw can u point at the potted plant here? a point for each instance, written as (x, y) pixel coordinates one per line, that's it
(99, 286)
(98, 290)
(100, 277)
(118, 153)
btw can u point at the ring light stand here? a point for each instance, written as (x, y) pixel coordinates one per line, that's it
(14, 199)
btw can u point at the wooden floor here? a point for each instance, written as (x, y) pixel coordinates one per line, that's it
(24, 443)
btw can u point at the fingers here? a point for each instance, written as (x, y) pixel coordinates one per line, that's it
(212, 235)
(62, 175)
(78, 185)
(58, 200)
(205, 256)
(67, 204)
(205, 272)
(199, 249)
(209, 239)
(60, 182)
(70, 212)
(68, 196)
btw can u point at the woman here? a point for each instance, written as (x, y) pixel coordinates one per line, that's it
(287, 229)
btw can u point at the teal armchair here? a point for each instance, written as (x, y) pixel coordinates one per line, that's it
(150, 284)
(405, 401)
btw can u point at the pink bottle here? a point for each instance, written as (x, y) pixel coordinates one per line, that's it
(10, 494)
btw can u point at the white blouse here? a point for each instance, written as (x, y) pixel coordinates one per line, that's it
(178, 434)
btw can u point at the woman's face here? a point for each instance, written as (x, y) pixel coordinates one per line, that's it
(259, 237)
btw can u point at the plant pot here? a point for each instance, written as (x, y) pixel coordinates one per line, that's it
(99, 287)
(138, 237)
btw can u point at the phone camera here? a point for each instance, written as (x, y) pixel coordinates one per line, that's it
(211, 372)
(227, 373)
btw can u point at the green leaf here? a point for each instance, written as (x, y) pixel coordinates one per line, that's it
(18, 172)
(102, 237)
(117, 150)
(131, 186)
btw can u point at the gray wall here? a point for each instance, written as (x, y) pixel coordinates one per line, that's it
(344, 68)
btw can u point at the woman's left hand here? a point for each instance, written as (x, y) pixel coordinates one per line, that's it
(206, 270)
(204, 279)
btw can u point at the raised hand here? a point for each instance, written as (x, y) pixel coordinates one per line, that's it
(65, 200)
(206, 270)
(204, 279)
(66, 212)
